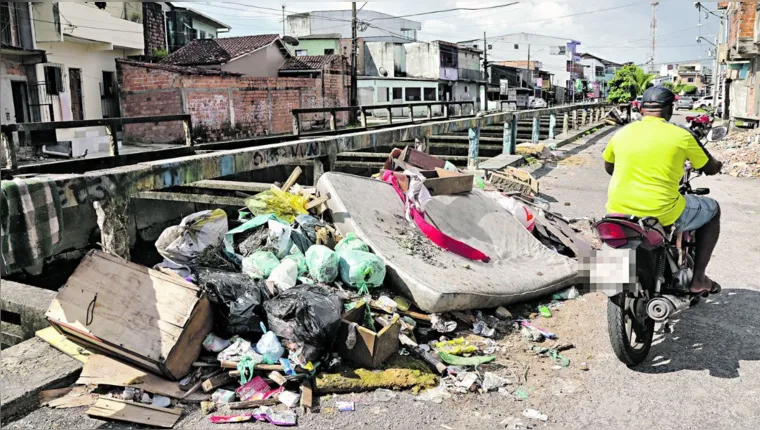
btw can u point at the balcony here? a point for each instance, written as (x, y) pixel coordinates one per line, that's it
(470, 75)
(86, 23)
(449, 74)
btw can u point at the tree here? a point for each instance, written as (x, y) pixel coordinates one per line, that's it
(628, 83)
(680, 88)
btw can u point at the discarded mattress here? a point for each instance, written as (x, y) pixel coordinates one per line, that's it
(521, 268)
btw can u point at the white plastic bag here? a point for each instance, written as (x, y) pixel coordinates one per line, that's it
(181, 244)
(285, 275)
(517, 209)
(270, 348)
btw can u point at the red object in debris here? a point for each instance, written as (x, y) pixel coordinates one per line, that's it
(255, 389)
(221, 419)
(436, 236)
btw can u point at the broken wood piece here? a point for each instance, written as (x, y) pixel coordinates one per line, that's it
(253, 404)
(137, 413)
(292, 179)
(217, 381)
(258, 367)
(73, 400)
(411, 314)
(50, 395)
(512, 179)
(277, 378)
(316, 202)
(202, 364)
(307, 395)
(64, 344)
(198, 385)
(464, 317)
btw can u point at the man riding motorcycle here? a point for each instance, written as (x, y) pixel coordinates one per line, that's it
(646, 161)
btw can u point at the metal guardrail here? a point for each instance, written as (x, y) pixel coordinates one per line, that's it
(111, 125)
(362, 110)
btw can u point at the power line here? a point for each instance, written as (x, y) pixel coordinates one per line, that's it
(449, 10)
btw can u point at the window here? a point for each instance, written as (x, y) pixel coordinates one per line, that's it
(301, 52)
(201, 34)
(465, 89)
(397, 93)
(329, 51)
(429, 94)
(562, 50)
(413, 95)
(109, 84)
(517, 46)
(690, 80)
(53, 80)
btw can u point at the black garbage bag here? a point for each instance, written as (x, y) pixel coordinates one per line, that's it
(308, 315)
(307, 225)
(237, 301)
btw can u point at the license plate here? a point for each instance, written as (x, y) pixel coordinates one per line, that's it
(612, 269)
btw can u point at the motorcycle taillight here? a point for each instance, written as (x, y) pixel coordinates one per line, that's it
(612, 234)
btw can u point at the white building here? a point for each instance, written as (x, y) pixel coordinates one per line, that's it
(380, 27)
(557, 55)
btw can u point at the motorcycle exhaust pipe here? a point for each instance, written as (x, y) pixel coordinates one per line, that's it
(661, 308)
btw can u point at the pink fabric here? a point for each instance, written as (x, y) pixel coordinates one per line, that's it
(436, 236)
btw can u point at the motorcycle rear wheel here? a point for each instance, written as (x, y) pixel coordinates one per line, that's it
(630, 348)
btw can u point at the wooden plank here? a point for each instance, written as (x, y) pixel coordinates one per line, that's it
(316, 202)
(50, 395)
(252, 404)
(137, 413)
(292, 179)
(63, 344)
(217, 381)
(191, 198)
(73, 400)
(307, 395)
(111, 303)
(215, 184)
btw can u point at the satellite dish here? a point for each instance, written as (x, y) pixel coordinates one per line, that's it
(383, 71)
(290, 40)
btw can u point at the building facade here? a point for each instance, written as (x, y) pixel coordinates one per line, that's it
(741, 57)
(318, 44)
(380, 28)
(185, 25)
(598, 72)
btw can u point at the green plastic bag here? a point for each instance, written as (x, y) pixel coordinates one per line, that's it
(260, 264)
(322, 263)
(300, 261)
(362, 270)
(351, 243)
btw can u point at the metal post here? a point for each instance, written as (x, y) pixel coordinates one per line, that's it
(552, 124)
(296, 125)
(485, 71)
(472, 155)
(565, 123)
(536, 129)
(8, 150)
(353, 60)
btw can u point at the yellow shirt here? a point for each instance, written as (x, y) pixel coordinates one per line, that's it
(649, 157)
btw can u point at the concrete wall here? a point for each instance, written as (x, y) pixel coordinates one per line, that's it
(264, 63)
(222, 107)
(154, 24)
(318, 46)
(339, 21)
(380, 91)
(377, 55)
(210, 30)
(423, 60)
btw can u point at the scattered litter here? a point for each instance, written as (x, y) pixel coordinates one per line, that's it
(161, 401)
(402, 304)
(345, 406)
(223, 397)
(228, 419)
(545, 312)
(289, 398)
(533, 414)
(503, 313)
(280, 419)
(546, 334)
(468, 381)
(492, 382)
(214, 343)
(207, 407)
(520, 393)
(270, 348)
(383, 395)
(481, 329)
(568, 294)
(456, 347)
(465, 361)
(435, 395)
(442, 326)
(584, 366)
(559, 359)
(531, 334)
(513, 423)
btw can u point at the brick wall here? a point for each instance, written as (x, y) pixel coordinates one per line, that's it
(741, 21)
(223, 106)
(154, 29)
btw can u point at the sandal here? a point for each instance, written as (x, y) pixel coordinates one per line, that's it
(714, 289)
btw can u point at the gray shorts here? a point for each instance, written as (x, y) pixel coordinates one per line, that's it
(699, 211)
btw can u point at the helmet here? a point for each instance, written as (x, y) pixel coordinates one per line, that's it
(658, 97)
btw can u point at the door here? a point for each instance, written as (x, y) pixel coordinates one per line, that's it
(75, 85)
(20, 103)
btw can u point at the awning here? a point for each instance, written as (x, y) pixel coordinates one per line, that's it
(28, 56)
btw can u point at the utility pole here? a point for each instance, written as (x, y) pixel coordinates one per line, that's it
(485, 72)
(653, 25)
(353, 62)
(716, 69)
(283, 20)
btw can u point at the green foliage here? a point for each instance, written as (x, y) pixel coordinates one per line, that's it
(680, 88)
(628, 83)
(160, 53)
(688, 89)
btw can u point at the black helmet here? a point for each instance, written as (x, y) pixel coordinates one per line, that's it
(658, 97)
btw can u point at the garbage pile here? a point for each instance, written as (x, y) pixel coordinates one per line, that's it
(295, 306)
(740, 153)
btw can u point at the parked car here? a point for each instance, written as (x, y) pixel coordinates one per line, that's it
(704, 103)
(537, 103)
(685, 103)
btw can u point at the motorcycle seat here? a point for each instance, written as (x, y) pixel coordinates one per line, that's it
(654, 236)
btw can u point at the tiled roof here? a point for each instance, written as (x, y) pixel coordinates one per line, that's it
(308, 62)
(185, 70)
(218, 51)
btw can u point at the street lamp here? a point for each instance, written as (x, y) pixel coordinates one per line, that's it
(701, 38)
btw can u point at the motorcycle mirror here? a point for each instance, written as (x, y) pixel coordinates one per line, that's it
(717, 133)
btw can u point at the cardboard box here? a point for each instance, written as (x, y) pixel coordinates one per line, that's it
(145, 317)
(439, 181)
(372, 348)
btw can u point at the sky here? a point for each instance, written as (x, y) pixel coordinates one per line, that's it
(618, 30)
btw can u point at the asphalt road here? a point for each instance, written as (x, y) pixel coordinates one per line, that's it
(705, 374)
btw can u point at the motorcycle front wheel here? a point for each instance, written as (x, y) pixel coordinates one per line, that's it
(630, 329)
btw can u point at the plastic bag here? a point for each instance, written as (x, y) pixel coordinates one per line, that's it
(351, 243)
(182, 243)
(300, 261)
(270, 348)
(240, 348)
(517, 209)
(285, 275)
(229, 237)
(308, 315)
(322, 263)
(275, 201)
(237, 301)
(283, 238)
(214, 343)
(260, 264)
(362, 270)
(307, 225)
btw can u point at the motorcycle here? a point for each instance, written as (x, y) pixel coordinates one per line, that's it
(654, 265)
(701, 125)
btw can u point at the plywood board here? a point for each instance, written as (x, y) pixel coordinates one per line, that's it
(137, 413)
(63, 344)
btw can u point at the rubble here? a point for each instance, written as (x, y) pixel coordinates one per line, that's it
(739, 152)
(285, 307)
